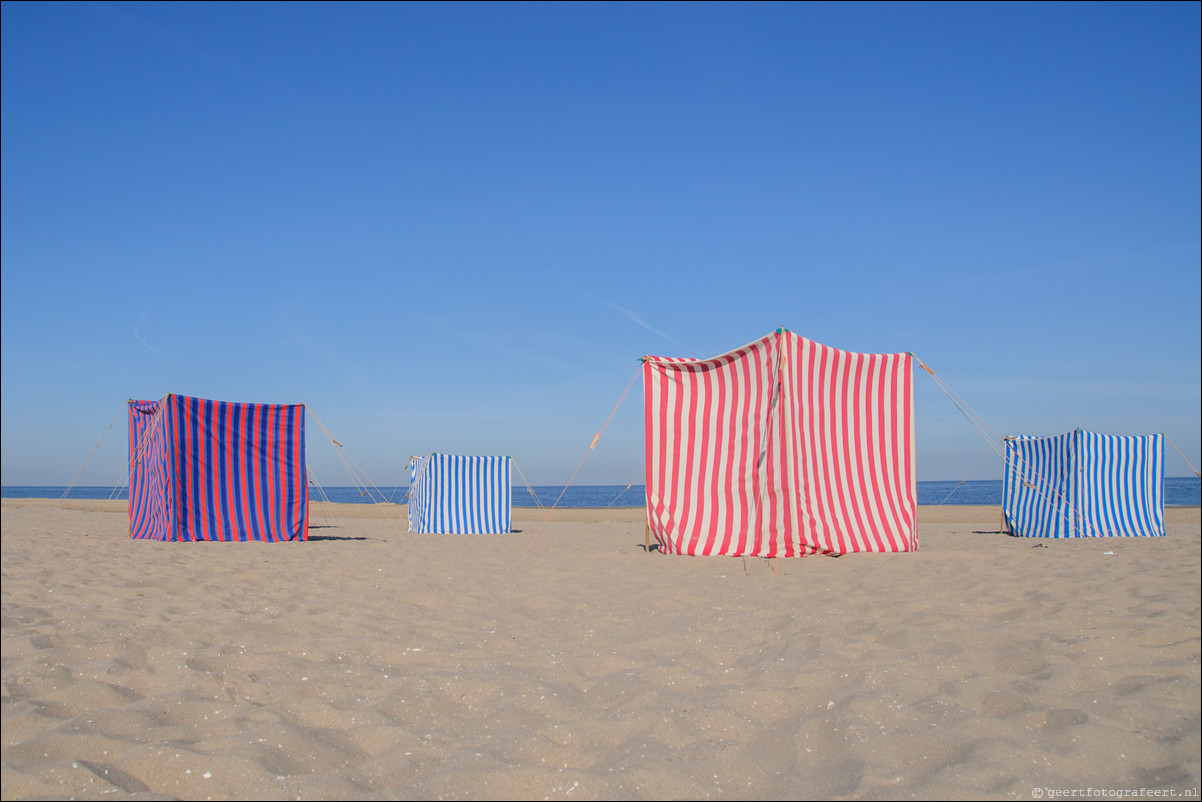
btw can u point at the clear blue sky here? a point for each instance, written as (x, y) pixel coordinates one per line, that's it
(456, 228)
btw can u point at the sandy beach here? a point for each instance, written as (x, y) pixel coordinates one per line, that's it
(564, 661)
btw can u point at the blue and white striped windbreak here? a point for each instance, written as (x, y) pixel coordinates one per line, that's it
(1084, 484)
(458, 495)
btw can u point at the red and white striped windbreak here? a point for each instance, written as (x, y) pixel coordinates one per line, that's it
(781, 448)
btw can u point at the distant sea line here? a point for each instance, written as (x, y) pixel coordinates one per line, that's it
(1178, 492)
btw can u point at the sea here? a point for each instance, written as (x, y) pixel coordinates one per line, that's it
(1178, 492)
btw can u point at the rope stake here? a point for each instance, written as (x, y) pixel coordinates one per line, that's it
(596, 437)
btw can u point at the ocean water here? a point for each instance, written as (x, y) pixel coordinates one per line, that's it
(1178, 492)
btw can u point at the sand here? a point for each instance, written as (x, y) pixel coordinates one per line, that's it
(564, 661)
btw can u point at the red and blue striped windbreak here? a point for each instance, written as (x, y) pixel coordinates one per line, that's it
(1084, 484)
(214, 470)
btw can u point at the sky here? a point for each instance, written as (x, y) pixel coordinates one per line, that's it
(456, 227)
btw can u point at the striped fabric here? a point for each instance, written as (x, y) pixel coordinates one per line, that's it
(1084, 484)
(458, 495)
(781, 448)
(212, 470)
